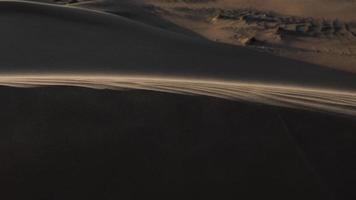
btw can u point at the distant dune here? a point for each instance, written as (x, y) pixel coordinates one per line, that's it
(42, 38)
(322, 32)
(332, 9)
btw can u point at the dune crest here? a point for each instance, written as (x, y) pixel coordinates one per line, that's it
(318, 99)
(111, 100)
(52, 39)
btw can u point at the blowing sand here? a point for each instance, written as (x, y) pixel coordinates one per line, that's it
(318, 99)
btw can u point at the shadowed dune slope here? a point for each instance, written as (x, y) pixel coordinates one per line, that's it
(77, 143)
(42, 38)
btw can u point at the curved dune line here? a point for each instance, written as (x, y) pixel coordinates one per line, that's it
(319, 99)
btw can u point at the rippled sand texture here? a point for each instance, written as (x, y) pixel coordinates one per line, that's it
(326, 100)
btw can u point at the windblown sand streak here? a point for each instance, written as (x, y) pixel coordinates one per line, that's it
(325, 100)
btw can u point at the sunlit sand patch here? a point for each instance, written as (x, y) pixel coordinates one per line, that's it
(319, 99)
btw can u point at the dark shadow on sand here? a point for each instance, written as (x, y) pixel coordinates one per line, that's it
(76, 143)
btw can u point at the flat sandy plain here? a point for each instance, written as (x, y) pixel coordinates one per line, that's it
(108, 100)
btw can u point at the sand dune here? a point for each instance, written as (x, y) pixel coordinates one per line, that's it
(332, 9)
(97, 105)
(332, 101)
(80, 143)
(42, 38)
(51, 39)
(319, 31)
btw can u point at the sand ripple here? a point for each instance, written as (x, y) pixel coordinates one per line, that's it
(325, 100)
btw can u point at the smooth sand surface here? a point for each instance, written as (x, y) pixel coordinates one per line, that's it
(42, 38)
(79, 143)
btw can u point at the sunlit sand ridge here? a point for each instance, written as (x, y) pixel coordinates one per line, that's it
(341, 102)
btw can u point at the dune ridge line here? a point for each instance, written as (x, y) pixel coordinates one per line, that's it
(307, 98)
